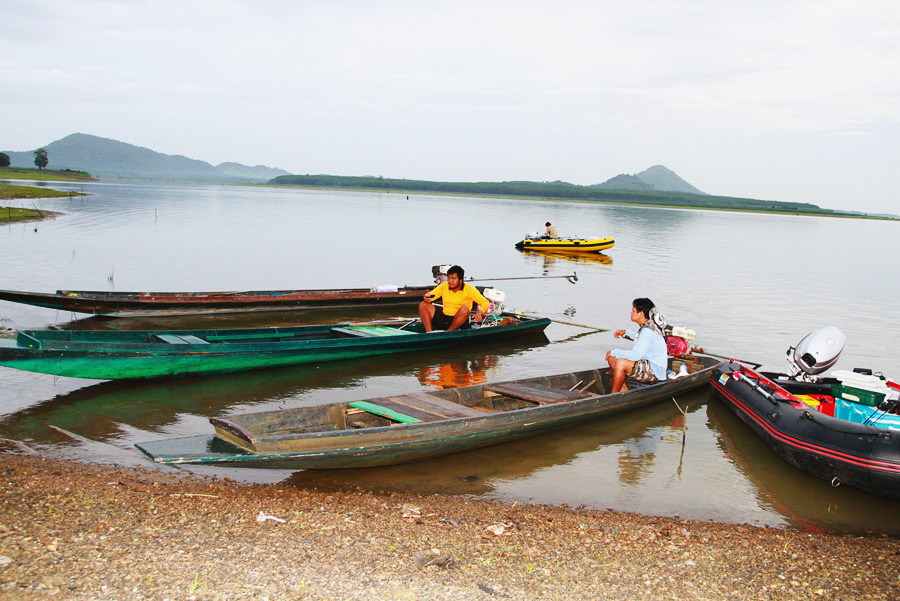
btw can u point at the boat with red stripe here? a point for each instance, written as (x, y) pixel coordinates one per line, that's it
(844, 427)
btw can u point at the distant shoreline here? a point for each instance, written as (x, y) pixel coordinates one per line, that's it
(824, 213)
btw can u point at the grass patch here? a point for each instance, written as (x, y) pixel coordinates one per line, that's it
(11, 191)
(45, 174)
(15, 215)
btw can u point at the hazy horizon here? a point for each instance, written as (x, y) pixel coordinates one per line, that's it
(772, 100)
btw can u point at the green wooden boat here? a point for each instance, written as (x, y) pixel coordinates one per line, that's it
(419, 425)
(118, 354)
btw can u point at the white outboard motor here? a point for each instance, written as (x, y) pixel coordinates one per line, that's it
(439, 272)
(816, 353)
(496, 297)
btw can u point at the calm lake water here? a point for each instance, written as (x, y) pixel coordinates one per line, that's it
(750, 285)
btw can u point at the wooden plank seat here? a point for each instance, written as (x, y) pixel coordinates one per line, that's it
(436, 405)
(371, 331)
(395, 411)
(534, 392)
(183, 339)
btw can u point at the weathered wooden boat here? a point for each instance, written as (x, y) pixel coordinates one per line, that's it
(117, 304)
(568, 245)
(419, 425)
(824, 425)
(123, 354)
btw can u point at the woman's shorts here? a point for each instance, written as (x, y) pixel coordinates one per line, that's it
(642, 372)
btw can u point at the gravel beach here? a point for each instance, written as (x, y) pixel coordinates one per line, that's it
(77, 531)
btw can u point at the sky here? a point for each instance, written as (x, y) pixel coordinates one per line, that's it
(791, 100)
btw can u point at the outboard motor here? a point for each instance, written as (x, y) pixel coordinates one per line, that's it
(496, 297)
(439, 272)
(816, 353)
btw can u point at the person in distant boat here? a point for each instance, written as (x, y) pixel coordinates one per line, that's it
(647, 360)
(551, 232)
(457, 298)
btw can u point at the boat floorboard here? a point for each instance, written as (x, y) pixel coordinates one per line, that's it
(536, 393)
(436, 405)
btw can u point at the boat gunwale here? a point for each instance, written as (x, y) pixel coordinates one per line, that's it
(564, 408)
(850, 456)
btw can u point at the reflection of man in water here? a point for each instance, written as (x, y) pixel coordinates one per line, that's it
(550, 232)
(456, 375)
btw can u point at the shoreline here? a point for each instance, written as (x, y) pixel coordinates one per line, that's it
(582, 201)
(85, 531)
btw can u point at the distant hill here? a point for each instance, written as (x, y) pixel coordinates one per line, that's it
(656, 178)
(625, 182)
(105, 158)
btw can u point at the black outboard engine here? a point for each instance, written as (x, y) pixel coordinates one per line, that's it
(816, 353)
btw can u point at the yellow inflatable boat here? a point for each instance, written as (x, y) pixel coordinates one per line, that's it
(566, 245)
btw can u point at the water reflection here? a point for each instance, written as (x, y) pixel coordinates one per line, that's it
(550, 260)
(456, 375)
(809, 503)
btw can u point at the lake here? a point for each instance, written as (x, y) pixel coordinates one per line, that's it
(750, 285)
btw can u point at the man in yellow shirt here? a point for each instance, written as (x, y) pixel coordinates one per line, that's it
(457, 298)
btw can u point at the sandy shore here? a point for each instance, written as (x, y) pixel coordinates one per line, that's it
(75, 531)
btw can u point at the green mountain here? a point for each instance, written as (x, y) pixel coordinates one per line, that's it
(111, 159)
(625, 182)
(656, 178)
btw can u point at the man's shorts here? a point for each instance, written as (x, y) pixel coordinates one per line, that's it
(442, 322)
(642, 372)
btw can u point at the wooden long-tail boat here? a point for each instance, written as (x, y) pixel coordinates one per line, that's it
(124, 354)
(419, 425)
(119, 304)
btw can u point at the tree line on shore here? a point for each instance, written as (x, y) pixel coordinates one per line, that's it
(550, 190)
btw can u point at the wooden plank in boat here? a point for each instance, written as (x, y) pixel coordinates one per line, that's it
(371, 331)
(537, 393)
(171, 339)
(395, 411)
(436, 405)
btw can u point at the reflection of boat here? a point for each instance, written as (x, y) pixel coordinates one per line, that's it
(408, 427)
(189, 303)
(579, 245)
(791, 413)
(552, 256)
(807, 502)
(456, 374)
(114, 354)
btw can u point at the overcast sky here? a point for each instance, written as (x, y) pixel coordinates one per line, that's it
(772, 99)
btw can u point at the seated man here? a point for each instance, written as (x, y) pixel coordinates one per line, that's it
(550, 232)
(457, 299)
(647, 360)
